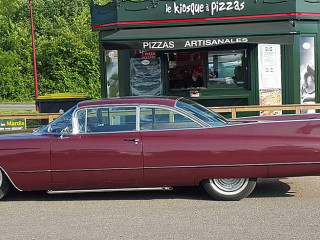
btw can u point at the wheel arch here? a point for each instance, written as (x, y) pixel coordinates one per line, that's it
(10, 180)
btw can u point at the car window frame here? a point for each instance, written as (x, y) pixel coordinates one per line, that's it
(76, 125)
(138, 107)
(42, 132)
(174, 109)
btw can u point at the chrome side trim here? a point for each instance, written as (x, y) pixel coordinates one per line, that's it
(173, 167)
(80, 170)
(294, 114)
(237, 165)
(110, 190)
(266, 122)
(10, 179)
(36, 171)
(138, 118)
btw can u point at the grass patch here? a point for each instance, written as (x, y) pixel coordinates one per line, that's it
(16, 111)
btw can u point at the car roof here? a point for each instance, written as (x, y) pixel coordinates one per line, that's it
(167, 101)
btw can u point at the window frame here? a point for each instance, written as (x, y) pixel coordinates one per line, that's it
(138, 107)
(175, 110)
(44, 130)
(76, 125)
(245, 60)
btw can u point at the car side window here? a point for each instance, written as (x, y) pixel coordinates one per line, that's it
(107, 119)
(63, 123)
(164, 119)
(81, 120)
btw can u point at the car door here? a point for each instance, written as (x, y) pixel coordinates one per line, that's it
(169, 147)
(105, 150)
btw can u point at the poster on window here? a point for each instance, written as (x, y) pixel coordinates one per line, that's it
(145, 77)
(270, 97)
(307, 72)
(111, 68)
(269, 66)
(270, 90)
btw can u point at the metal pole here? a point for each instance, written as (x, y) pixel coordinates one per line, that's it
(34, 53)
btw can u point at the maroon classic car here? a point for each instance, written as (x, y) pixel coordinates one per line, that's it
(155, 143)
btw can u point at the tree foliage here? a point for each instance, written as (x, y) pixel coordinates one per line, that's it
(67, 49)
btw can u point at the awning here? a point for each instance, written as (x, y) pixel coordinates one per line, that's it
(190, 37)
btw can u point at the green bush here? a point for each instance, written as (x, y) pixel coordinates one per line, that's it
(67, 50)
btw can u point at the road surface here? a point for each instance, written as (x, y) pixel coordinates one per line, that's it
(278, 209)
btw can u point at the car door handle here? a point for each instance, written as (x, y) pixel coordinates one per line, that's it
(135, 140)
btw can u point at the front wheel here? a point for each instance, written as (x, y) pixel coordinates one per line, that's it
(4, 185)
(229, 189)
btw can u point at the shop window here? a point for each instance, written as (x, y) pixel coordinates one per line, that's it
(222, 68)
(186, 70)
(227, 68)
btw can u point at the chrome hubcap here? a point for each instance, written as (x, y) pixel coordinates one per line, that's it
(229, 185)
(1, 178)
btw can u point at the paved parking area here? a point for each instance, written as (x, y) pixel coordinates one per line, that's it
(277, 209)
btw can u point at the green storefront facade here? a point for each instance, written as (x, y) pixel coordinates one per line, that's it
(219, 53)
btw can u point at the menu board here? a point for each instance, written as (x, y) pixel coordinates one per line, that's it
(269, 66)
(270, 90)
(145, 77)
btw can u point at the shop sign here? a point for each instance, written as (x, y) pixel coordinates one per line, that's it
(199, 8)
(12, 124)
(190, 43)
(148, 54)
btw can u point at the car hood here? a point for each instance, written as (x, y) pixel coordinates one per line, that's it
(19, 136)
(23, 140)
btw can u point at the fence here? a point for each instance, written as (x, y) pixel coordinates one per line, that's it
(9, 123)
(290, 107)
(38, 116)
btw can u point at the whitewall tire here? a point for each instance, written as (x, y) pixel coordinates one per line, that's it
(229, 189)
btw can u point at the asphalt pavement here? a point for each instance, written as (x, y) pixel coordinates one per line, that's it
(278, 209)
(18, 106)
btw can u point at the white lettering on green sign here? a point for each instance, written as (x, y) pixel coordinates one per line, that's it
(158, 45)
(198, 8)
(213, 42)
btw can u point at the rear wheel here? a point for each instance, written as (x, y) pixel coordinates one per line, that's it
(4, 185)
(229, 189)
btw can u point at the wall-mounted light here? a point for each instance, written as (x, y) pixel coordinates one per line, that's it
(306, 46)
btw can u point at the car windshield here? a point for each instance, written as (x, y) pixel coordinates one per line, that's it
(201, 112)
(61, 123)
